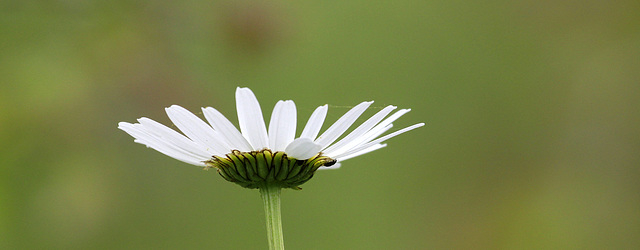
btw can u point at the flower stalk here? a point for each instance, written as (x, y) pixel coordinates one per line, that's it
(271, 199)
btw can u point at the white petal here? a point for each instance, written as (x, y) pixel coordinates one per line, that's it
(350, 140)
(197, 130)
(314, 124)
(389, 120)
(282, 127)
(302, 149)
(250, 119)
(334, 166)
(171, 136)
(371, 134)
(221, 124)
(143, 137)
(381, 139)
(361, 152)
(366, 138)
(340, 126)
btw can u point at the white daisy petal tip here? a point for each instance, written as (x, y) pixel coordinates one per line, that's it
(250, 119)
(315, 122)
(123, 124)
(282, 127)
(173, 106)
(302, 149)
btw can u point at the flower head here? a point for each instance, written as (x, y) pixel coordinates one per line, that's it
(253, 154)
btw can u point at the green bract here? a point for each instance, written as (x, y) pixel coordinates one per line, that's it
(259, 168)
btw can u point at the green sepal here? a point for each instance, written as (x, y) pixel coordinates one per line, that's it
(284, 169)
(237, 162)
(233, 173)
(268, 156)
(262, 168)
(252, 162)
(225, 176)
(297, 166)
(277, 163)
(251, 173)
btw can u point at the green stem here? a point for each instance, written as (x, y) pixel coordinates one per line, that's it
(271, 198)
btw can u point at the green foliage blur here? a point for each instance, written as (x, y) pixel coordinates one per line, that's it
(532, 110)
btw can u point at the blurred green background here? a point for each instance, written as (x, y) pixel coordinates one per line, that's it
(532, 110)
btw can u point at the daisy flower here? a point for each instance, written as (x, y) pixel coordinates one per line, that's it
(256, 153)
(266, 158)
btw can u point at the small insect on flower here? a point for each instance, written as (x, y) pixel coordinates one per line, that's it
(255, 155)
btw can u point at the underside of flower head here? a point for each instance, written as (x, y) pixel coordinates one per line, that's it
(218, 143)
(257, 168)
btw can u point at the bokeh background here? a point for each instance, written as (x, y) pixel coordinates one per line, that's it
(532, 110)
